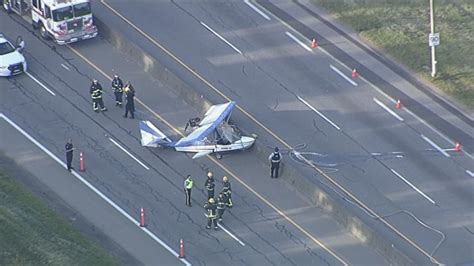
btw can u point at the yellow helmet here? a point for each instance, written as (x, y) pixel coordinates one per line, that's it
(211, 200)
(225, 179)
(209, 174)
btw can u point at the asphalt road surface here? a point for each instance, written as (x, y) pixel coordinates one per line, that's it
(396, 164)
(400, 163)
(270, 223)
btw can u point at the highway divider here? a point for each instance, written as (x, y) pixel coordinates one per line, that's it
(369, 231)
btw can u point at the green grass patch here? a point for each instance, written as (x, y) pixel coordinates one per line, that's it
(32, 234)
(400, 28)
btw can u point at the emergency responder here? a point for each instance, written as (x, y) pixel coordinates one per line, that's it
(227, 192)
(188, 185)
(117, 86)
(69, 150)
(220, 207)
(210, 185)
(96, 95)
(211, 210)
(275, 159)
(129, 95)
(192, 122)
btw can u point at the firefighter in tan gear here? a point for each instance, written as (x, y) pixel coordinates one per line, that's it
(220, 207)
(117, 86)
(210, 185)
(211, 213)
(96, 95)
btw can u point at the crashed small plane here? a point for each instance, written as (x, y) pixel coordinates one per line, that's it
(213, 134)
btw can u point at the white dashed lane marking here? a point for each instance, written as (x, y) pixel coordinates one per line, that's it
(220, 37)
(318, 112)
(305, 46)
(257, 10)
(388, 110)
(343, 75)
(413, 186)
(41, 84)
(129, 154)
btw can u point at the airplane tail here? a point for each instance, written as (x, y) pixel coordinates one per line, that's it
(152, 136)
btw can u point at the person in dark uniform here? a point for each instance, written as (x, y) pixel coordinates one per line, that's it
(275, 159)
(69, 151)
(210, 185)
(129, 95)
(188, 185)
(211, 210)
(227, 192)
(96, 95)
(117, 86)
(220, 207)
(192, 122)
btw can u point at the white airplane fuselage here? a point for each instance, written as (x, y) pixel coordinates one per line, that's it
(242, 144)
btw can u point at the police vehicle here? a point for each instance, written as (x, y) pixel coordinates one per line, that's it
(12, 61)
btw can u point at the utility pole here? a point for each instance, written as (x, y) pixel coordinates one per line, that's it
(432, 42)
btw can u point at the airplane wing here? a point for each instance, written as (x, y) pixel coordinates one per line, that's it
(217, 113)
(202, 153)
(213, 117)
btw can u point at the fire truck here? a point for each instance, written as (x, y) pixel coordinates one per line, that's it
(63, 21)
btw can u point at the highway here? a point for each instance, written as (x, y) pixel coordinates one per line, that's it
(404, 160)
(51, 104)
(395, 167)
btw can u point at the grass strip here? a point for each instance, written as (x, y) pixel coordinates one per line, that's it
(401, 27)
(32, 234)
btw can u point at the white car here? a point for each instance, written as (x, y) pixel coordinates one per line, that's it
(12, 62)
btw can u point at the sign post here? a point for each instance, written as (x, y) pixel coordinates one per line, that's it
(433, 41)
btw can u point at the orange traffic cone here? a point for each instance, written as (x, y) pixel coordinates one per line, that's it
(81, 162)
(457, 147)
(142, 218)
(314, 44)
(181, 248)
(354, 73)
(398, 104)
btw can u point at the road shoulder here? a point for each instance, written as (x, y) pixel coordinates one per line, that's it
(87, 211)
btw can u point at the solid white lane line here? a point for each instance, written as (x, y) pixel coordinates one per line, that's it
(343, 75)
(257, 10)
(129, 154)
(412, 186)
(220, 37)
(388, 109)
(470, 173)
(65, 67)
(304, 45)
(319, 113)
(94, 189)
(39, 83)
(435, 146)
(229, 233)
